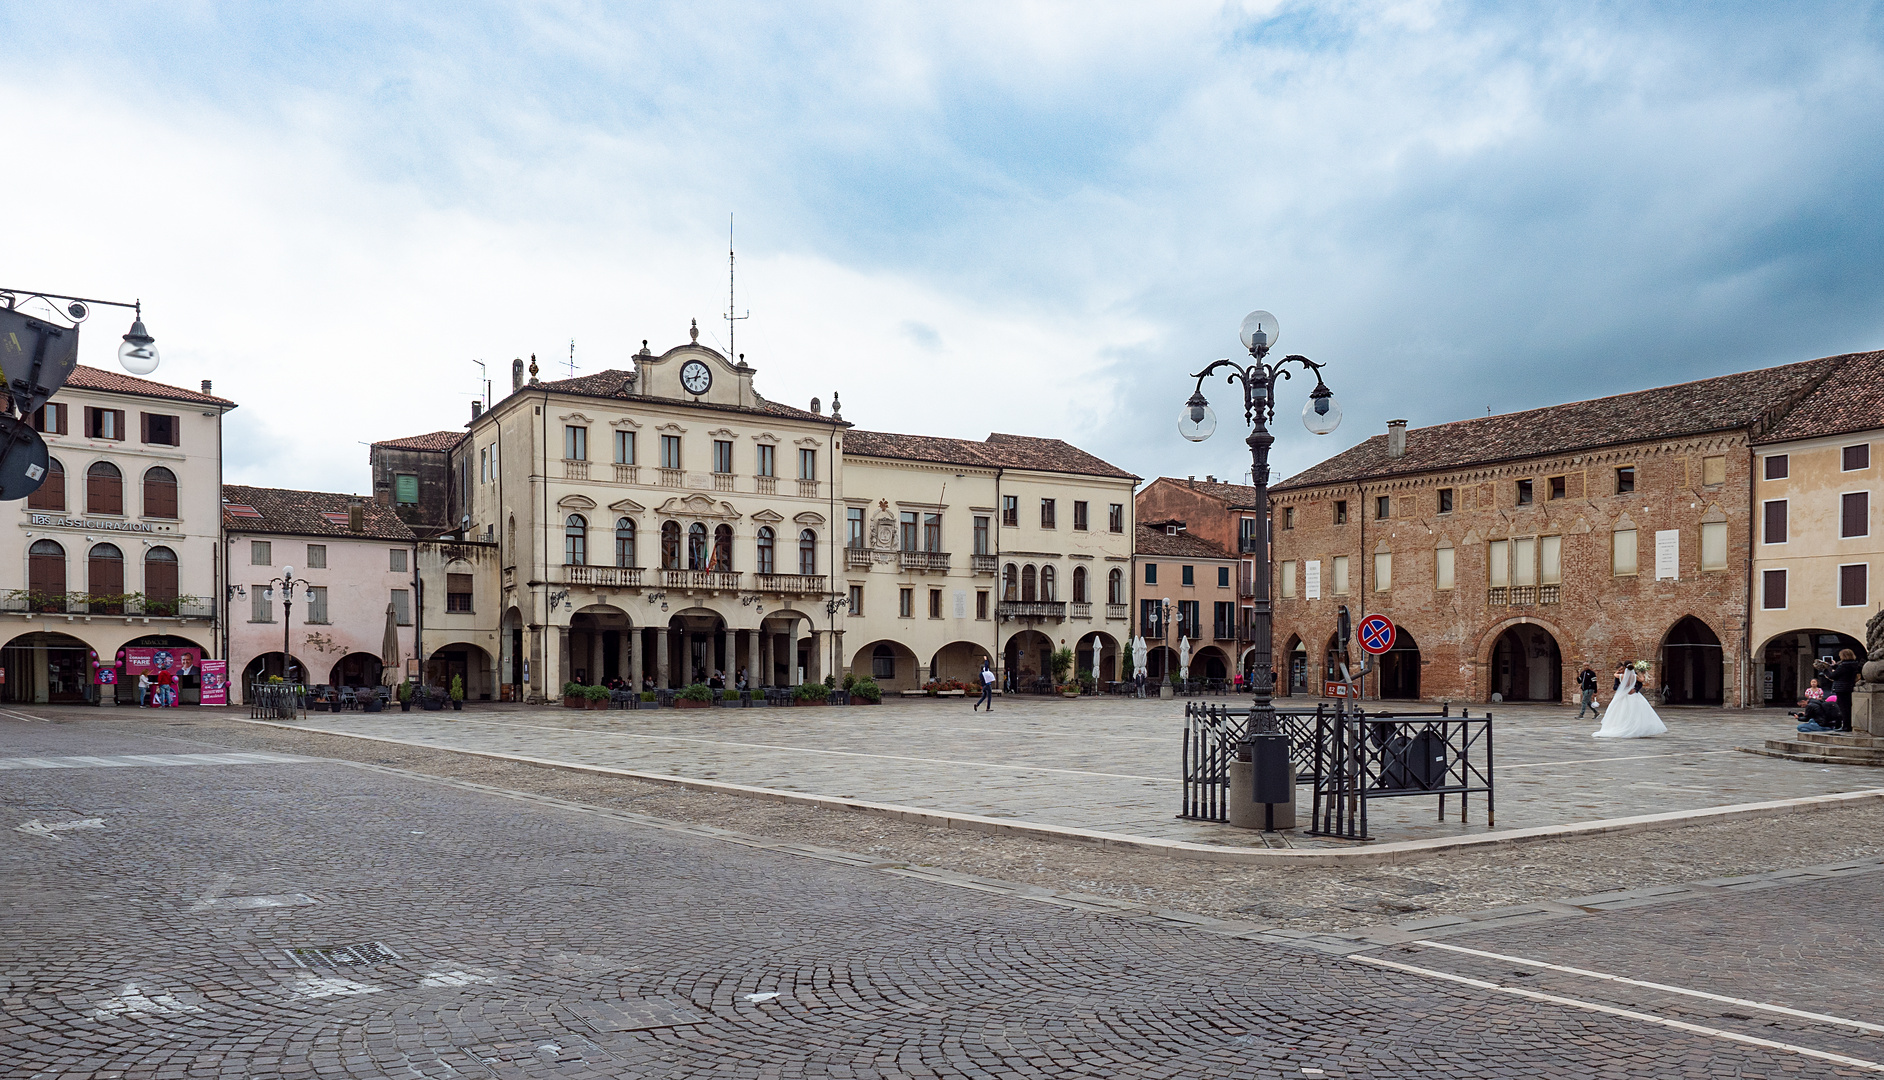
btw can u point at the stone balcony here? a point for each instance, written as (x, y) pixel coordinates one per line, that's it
(856, 558)
(923, 560)
(701, 580)
(792, 584)
(1030, 609)
(605, 577)
(575, 470)
(1118, 611)
(984, 564)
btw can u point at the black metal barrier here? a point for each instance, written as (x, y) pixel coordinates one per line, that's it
(1360, 757)
(1213, 736)
(277, 701)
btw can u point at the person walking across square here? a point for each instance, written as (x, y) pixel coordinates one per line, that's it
(1586, 692)
(987, 688)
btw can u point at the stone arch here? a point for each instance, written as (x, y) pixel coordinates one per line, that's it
(1525, 662)
(1097, 652)
(1210, 662)
(1026, 656)
(891, 663)
(1399, 668)
(1692, 670)
(46, 667)
(960, 661)
(355, 669)
(467, 661)
(1786, 662)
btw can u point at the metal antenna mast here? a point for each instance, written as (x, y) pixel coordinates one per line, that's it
(732, 320)
(572, 358)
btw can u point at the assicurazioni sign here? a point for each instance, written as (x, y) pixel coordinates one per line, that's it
(89, 523)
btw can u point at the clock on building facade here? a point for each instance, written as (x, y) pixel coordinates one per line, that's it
(696, 377)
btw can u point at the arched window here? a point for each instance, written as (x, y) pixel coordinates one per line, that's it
(670, 545)
(104, 579)
(1079, 586)
(767, 560)
(1047, 582)
(1115, 587)
(883, 662)
(50, 494)
(160, 581)
(104, 489)
(1029, 579)
(576, 541)
(808, 552)
(696, 547)
(45, 576)
(624, 542)
(160, 492)
(1010, 583)
(723, 548)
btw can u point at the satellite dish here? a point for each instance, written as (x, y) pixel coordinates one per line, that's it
(22, 459)
(36, 358)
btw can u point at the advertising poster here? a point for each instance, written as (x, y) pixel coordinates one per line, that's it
(215, 682)
(167, 667)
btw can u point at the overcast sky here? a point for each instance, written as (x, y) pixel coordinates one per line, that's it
(1032, 218)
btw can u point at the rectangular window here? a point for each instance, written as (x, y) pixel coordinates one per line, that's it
(261, 553)
(1340, 575)
(1445, 500)
(1116, 518)
(1625, 479)
(402, 607)
(981, 535)
(906, 603)
(1288, 517)
(1223, 577)
(1151, 619)
(722, 455)
(1557, 488)
(1622, 552)
(1288, 579)
(807, 463)
(1010, 510)
(575, 443)
(1525, 497)
(1079, 516)
(1383, 507)
(1246, 536)
(1189, 575)
(160, 430)
(935, 603)
(317, 604)
(1774, 530)
(1854, 585)
(1383, 571)
(1713, 471)
(484, 466)
(1778, 466)
(1854, 514)
(458, 592)
(1188, 622)
(396, 560)
(854, 527)
(906, 533)
(1713, 545)
(670, 451)
(1550, 560)
(1498, 563)
(1442, 568)
(261, 604)
(406, 489)
(317, 556)
(104, 423)
(1856, 457)
(932, 532)
(1223, 623)
(856, 599)
(1046, 513)
(1524, 561)
(1773, 590)
(768, 459)
(624, 448)
(1151, 573)
(1341, 512)
(50, 418)
(981, 604)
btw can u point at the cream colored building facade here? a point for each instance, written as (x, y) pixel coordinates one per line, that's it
(664, 524)
(1818, 543)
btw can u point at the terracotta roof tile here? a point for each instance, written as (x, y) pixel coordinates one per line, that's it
(305, 513)
(91, 378)
(1238, 496)
(431, 440)
(1155, 541)
(1851, 400)
(999, 451)
(1737, 401)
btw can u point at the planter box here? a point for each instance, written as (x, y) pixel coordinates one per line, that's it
(682, 703)
(862, 701)
(802, 702)
(592, 703)
(915, 693)
(575, 703)
(951, 693)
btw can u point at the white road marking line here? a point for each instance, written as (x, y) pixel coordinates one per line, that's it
(1821, 1018)
(124, 760)
(22, 716)
(1600, 760)
(1630, 1014)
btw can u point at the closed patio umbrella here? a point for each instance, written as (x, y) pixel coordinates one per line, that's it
(390, 657)
(1140, 662)
(1184, 659)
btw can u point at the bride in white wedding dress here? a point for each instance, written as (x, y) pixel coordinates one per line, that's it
(1630, 716)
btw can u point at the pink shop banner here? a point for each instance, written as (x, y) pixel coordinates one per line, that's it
(215, 682)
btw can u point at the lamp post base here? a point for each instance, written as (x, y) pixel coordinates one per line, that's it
(1245, 812)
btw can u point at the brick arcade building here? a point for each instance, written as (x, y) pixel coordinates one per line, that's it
(1512, 550)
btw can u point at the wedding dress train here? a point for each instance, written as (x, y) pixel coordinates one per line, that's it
(1629, 715)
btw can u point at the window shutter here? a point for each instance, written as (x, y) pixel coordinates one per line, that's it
(1852, 584)
(1773, 589)
(143, 427)
(1856, 514)
(1775, 532)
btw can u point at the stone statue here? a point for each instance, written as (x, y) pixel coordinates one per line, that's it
(1874, 649)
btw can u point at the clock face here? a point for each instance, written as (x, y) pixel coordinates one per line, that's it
(696, 377)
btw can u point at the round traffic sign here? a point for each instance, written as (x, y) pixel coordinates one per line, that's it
(1377, 634)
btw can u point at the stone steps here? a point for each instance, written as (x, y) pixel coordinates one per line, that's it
(1820, 748)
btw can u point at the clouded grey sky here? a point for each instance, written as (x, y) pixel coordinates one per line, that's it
(1014, 217)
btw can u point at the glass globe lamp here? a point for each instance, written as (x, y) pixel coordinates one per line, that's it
(138, 354)
(1259, 331)
(1198, 420)
(1321, 415)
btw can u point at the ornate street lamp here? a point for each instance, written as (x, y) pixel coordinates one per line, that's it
(1197, 421)
(285, 585)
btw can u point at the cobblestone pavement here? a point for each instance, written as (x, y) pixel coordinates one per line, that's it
(1113, 764)
(183, 920)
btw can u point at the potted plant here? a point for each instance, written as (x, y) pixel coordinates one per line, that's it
(865, 691)
(457, 693)
(575, 696)
(405, 696)
(595, 697)
(1060, 663)
(694, 696)
(372, 702)
(648, 700)
(1087, 683)
(810, 693)
(431, 700)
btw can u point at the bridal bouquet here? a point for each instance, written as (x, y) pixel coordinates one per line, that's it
(1641, 667)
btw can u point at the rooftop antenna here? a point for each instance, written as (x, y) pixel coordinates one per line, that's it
(572, 358)
(732, 319)
(484, 375)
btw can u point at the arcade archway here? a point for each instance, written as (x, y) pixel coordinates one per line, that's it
(1400, 668)
(46, 668)
(1786, 662)
(1691, 664)
(462, 660)
(1527, 665)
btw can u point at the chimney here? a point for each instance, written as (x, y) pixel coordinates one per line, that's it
(516, 375)
(205, 386)
(356, 516)
(1209, 479)
(1396, 438)
(477, 408)
(1191, 480)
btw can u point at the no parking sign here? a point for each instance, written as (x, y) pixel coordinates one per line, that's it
(1377, 634)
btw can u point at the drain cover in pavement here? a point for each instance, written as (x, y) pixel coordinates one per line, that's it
(634, 1014)
(343, 956)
